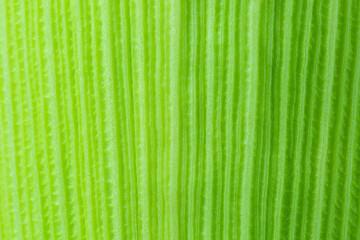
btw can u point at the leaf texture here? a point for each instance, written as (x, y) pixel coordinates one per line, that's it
(211, 119)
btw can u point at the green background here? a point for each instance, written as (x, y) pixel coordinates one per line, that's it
(151, 119)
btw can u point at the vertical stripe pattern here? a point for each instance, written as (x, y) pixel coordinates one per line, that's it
(149, 119)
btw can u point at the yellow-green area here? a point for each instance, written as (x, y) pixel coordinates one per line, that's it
(179, 119)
